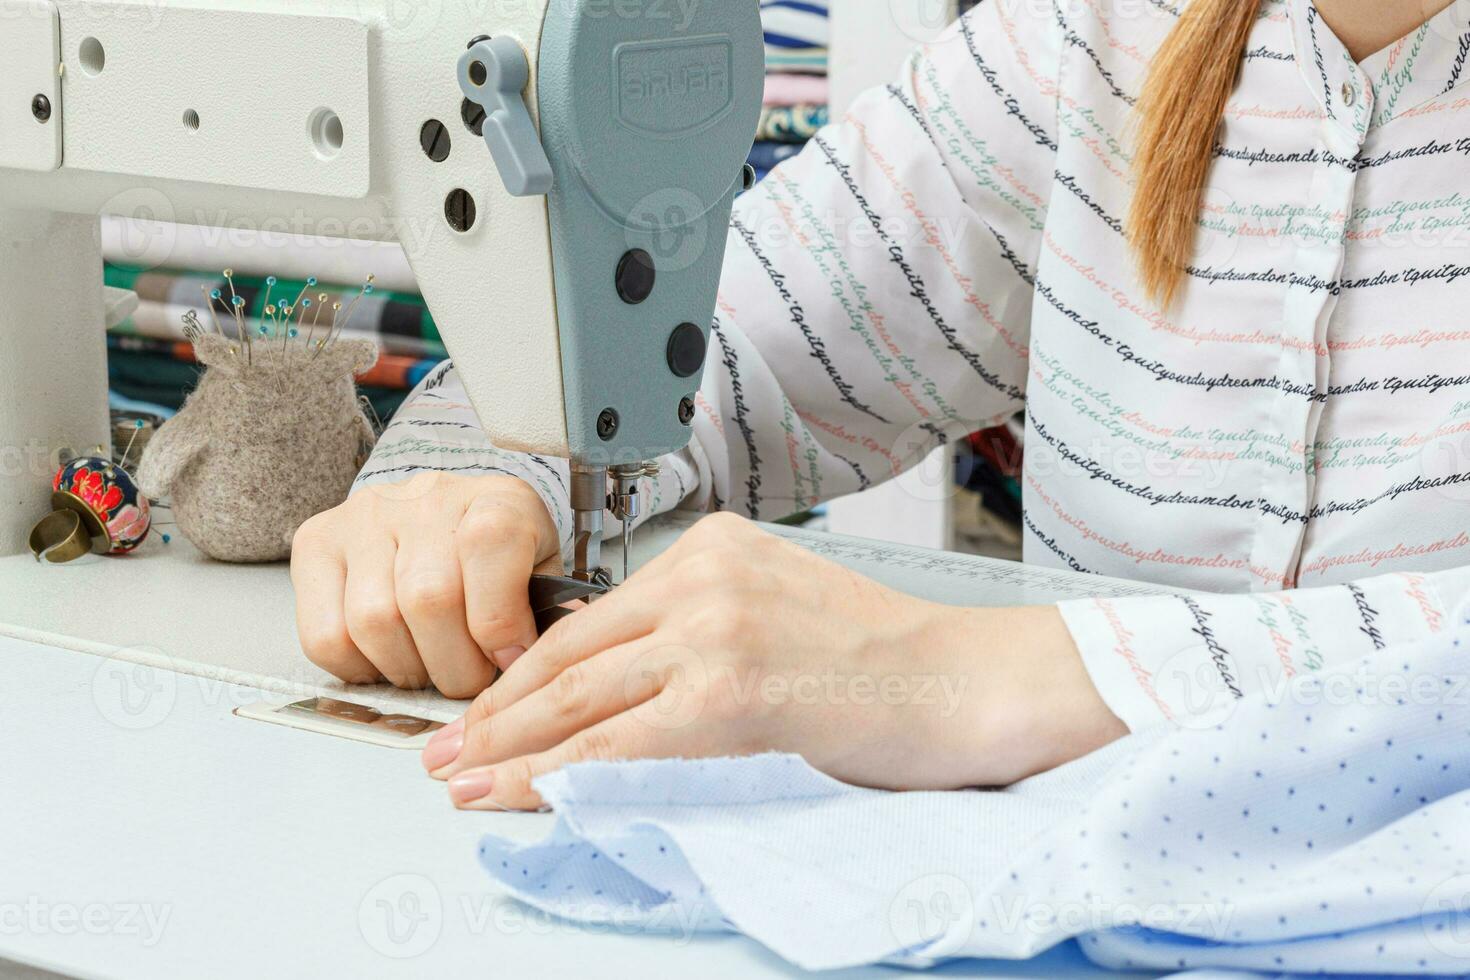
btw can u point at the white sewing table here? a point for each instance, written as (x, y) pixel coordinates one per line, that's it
(147, 831)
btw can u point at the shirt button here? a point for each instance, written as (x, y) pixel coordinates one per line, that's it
(1349, 94)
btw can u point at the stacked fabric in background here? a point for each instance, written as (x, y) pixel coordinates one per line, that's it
(796, 95)
(151, 362)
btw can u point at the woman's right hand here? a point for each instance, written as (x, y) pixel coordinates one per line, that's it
(423, 582)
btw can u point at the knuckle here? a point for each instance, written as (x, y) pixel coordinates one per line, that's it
(493, 631)
(467, 685)
(374, 618)
(723, 525)
(508, 488)
(313, 535)
(720, 622)
(479, 740)
(482, 522)
(481, 711)
(410, 681)
(594, 744)
(487, 524)
(706, 569)
(493, 514)
(515, 777)
(432, 595)
(327, 646)
(571, 694)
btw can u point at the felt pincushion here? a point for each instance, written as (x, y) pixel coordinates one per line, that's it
(273, 435)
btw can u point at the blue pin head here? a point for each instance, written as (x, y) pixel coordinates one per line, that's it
(239, 300)
(215, 294)
(368, 288)
(270, 280)
(306, 304)
(293, 333)
(311, 281)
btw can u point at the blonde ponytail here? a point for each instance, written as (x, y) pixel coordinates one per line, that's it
(1183, 102)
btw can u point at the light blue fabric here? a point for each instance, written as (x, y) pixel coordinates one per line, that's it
(121, 403)
(1327, 829)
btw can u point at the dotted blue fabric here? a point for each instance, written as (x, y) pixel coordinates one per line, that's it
(1327, 830)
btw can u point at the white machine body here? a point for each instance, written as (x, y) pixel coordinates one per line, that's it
(149, 119)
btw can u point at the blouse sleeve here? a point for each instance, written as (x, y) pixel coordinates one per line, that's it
(877, 288)
(1187, 659)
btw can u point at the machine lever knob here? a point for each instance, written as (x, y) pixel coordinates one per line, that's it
(494, 73)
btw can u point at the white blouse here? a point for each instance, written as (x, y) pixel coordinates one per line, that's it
(1292, 437)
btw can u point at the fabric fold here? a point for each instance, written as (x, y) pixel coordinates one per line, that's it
(1321, 830)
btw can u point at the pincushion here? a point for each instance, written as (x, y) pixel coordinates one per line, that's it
(273, 435)
(98, 510)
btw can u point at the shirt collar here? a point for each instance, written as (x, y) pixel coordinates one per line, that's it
(1425, 65)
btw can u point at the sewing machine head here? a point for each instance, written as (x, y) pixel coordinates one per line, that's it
(572, 272)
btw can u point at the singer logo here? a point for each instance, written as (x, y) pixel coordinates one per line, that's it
(674, 88)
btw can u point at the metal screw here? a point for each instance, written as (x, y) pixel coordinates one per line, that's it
(686, 411)
(473, 115)
(41, 108)
(459, 210)
(607, 424)
(434, 139)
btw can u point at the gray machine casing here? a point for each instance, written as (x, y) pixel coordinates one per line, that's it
(648, 121)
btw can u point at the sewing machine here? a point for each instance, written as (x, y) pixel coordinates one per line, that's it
(559, 172)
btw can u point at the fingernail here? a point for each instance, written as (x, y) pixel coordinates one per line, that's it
(504, 658)
(470, 786)
(448, 731)
(439, 754)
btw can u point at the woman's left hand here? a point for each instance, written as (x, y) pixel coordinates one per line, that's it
(735, 642)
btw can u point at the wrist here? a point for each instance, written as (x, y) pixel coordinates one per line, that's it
(1032, 705)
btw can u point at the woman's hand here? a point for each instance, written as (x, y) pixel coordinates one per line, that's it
(735, 642)
(424, 582)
